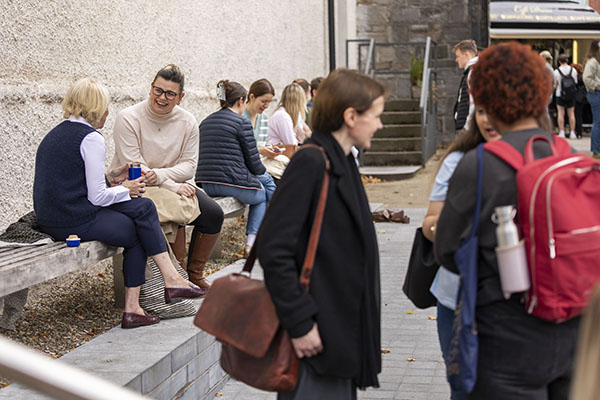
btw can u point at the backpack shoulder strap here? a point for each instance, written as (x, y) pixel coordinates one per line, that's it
(506, 153)
(562, 146)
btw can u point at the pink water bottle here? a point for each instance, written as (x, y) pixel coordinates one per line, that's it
(510, 253)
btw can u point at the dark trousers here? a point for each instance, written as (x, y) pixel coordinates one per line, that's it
(522, 357)
(211, 215)
(132, 225)
(316, 387)
(578, 118)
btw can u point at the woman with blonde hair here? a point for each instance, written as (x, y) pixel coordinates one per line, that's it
(288, 119)
(70, 196)
(586, 385)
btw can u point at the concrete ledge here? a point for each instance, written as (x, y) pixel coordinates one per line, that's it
(393, 173)
(170, 360)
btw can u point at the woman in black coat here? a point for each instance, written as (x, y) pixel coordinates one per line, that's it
(335, 325)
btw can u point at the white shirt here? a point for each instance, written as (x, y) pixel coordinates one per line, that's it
(93, 152)
(281, 128)
(468, 122)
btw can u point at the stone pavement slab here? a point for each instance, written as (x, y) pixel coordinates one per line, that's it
(407, 332)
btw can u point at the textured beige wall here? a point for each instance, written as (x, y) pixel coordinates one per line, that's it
(46, 45)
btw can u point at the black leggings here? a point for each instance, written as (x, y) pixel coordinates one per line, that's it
(211, 215)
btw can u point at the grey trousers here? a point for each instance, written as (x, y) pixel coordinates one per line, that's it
(315, 387)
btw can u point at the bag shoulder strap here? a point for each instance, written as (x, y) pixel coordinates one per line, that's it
(477, 212)
(506, 153)
(315, 232)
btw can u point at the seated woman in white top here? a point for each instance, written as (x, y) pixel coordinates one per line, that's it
(290, 110)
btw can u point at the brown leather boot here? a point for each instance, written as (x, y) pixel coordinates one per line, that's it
(178, 247)
(200, 249)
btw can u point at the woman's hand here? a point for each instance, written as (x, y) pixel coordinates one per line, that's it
(136, 187)
(308, 345)
(118, 175)
(186, 190)
(151, 178)
(268, 152)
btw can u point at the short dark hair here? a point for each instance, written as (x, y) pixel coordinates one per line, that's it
(314, 84)
(511, 82)
(171, 73)
(563, 59)
(260, 88)
(466, 45)
(343, 88)
(303, 84)
(233, 92)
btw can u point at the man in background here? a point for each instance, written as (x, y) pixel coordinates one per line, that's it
(466, 55)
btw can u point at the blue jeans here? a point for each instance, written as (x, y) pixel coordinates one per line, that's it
(445, 319)
(256, 198)
(594, 100)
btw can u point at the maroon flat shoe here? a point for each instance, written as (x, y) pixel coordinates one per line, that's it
(132, 320)
(173, 295)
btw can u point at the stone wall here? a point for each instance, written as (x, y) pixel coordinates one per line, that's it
(49, 44)
(445, 21)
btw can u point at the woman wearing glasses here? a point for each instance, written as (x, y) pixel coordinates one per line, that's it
(164, 138)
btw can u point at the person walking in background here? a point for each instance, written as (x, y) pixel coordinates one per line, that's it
(446, 283)
(466, 55)
(70, 196)
(566, 89)
(514, 360)
(335, 325)
(164, 138)
(548, 57)
(591, 80)
(580, 101)
(229, 163)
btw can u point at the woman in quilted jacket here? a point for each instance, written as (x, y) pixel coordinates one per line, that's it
(228, 160)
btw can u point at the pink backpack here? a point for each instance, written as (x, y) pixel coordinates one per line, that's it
(559, 215)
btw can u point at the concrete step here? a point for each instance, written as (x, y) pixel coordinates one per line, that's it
(396, 130)
(170, 360)
(396, 144)
(392, 173)
(401, 117)
(391, 158)
(402, 105)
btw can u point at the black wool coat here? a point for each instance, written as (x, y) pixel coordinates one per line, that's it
(228, 153)
(344, 294)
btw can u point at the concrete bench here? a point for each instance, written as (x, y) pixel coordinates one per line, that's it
(21, 268)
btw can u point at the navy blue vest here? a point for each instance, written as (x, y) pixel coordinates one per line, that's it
(59, 187)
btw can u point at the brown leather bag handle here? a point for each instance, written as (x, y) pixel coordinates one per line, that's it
(315, 232)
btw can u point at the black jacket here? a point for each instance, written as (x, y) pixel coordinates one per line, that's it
(461, 107)
(499, 189)
(344, 295)
(228, 153)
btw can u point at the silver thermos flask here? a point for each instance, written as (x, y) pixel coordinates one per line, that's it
(510, 253)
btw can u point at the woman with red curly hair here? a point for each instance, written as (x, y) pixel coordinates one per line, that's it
(520, 356)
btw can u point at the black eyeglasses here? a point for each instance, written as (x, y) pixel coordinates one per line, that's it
(168, 94)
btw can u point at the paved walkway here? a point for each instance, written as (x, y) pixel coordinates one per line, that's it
(408, 333)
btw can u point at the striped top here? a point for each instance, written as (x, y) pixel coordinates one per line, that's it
(260, 129)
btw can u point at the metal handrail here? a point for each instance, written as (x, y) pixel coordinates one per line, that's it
(427, 103)
(54, 378)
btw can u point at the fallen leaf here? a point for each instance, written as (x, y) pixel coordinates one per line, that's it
(385, 351)
(219, 394)
(388, 239)
(431, 317)
(381, 231)
(101, 275)
(410, 359)
(410, 312)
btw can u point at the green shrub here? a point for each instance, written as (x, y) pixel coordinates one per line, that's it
(415, 73)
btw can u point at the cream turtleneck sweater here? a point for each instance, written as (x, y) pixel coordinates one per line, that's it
(167, 144)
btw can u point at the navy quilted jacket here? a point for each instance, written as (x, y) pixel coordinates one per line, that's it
(228, 154)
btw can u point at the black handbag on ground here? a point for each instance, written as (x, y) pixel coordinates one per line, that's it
(421, 272)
